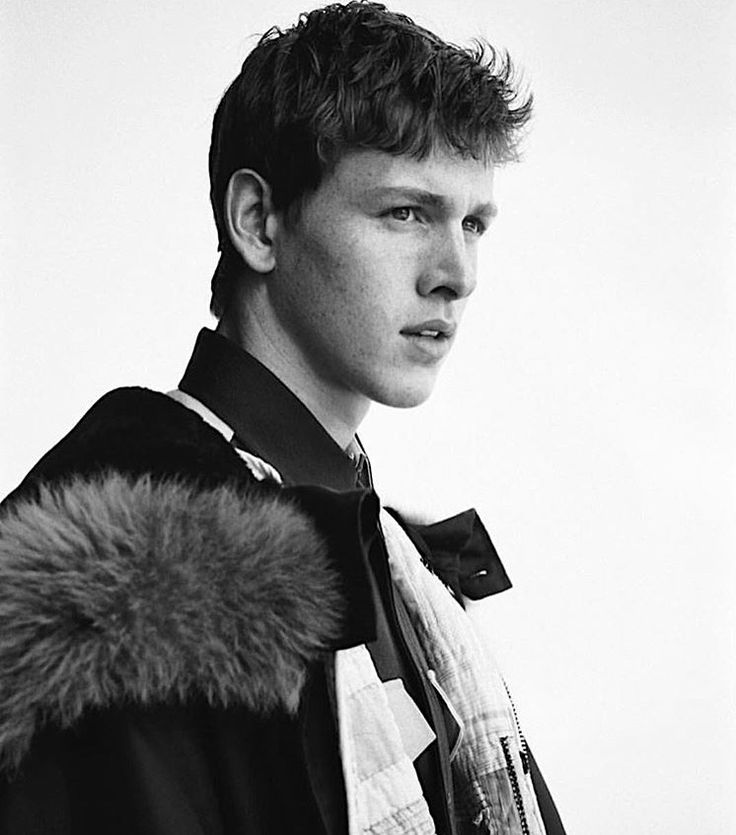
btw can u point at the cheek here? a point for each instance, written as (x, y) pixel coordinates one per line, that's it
(342, 283)
(326, 262)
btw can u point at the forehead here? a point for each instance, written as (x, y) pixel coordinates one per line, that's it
(456, 182)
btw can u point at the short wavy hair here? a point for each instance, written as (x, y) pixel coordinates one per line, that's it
(355, 76)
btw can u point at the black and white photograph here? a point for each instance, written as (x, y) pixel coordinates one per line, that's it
(368, 417)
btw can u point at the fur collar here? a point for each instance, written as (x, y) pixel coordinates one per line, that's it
(116, 588)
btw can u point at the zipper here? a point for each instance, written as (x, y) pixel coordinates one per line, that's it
(514, 780)
(523, 756)
(523, 747)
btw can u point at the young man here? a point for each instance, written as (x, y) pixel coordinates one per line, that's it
(208, 623)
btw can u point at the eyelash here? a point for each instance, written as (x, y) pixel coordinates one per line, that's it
(478, 226)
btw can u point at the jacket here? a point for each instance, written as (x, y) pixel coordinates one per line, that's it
(168, 626)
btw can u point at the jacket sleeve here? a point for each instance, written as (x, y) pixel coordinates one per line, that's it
(115, 772)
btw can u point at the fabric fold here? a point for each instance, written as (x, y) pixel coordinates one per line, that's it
(461, 553)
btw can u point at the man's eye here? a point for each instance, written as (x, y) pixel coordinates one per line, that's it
(474, 225)
(403, 213)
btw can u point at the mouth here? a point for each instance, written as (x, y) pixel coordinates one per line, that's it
(437, 330)
(430, 341)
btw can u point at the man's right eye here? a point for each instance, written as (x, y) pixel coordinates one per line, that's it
(403, 213)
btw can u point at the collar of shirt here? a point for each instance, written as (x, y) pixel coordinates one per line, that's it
(268, 420)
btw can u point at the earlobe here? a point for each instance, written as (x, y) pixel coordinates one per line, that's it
(250, 219)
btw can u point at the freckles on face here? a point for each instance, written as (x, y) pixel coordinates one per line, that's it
(326, 274)
(364, 263)
(339, 281)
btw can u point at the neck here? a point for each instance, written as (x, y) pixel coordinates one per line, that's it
(340, 415)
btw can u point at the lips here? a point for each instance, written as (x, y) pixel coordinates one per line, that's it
(432, 329)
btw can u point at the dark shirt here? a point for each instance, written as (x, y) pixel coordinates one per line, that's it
(269, 421)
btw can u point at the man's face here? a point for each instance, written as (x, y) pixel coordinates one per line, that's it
(371, 280)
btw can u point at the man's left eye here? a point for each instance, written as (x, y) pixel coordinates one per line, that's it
(474, 225)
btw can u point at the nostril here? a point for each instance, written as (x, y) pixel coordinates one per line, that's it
(445, 292)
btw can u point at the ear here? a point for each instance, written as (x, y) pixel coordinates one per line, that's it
(250, 219)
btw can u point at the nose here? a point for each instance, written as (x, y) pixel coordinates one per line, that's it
(450, 269)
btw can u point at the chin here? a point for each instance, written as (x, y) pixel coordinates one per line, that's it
(405, 396)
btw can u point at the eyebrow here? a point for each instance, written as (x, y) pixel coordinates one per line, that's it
(428, 198)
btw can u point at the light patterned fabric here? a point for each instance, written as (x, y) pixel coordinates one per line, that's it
(494, 793)
(383, 790)
(493, 789)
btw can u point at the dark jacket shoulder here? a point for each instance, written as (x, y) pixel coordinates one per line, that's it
(136, 431)
(140, 564)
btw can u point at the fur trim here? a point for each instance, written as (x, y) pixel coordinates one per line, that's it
(114, 589)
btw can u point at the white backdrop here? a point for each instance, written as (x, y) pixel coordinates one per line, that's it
(588, 410)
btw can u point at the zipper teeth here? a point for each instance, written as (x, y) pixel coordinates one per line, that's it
(523, 747)
(514, 780)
